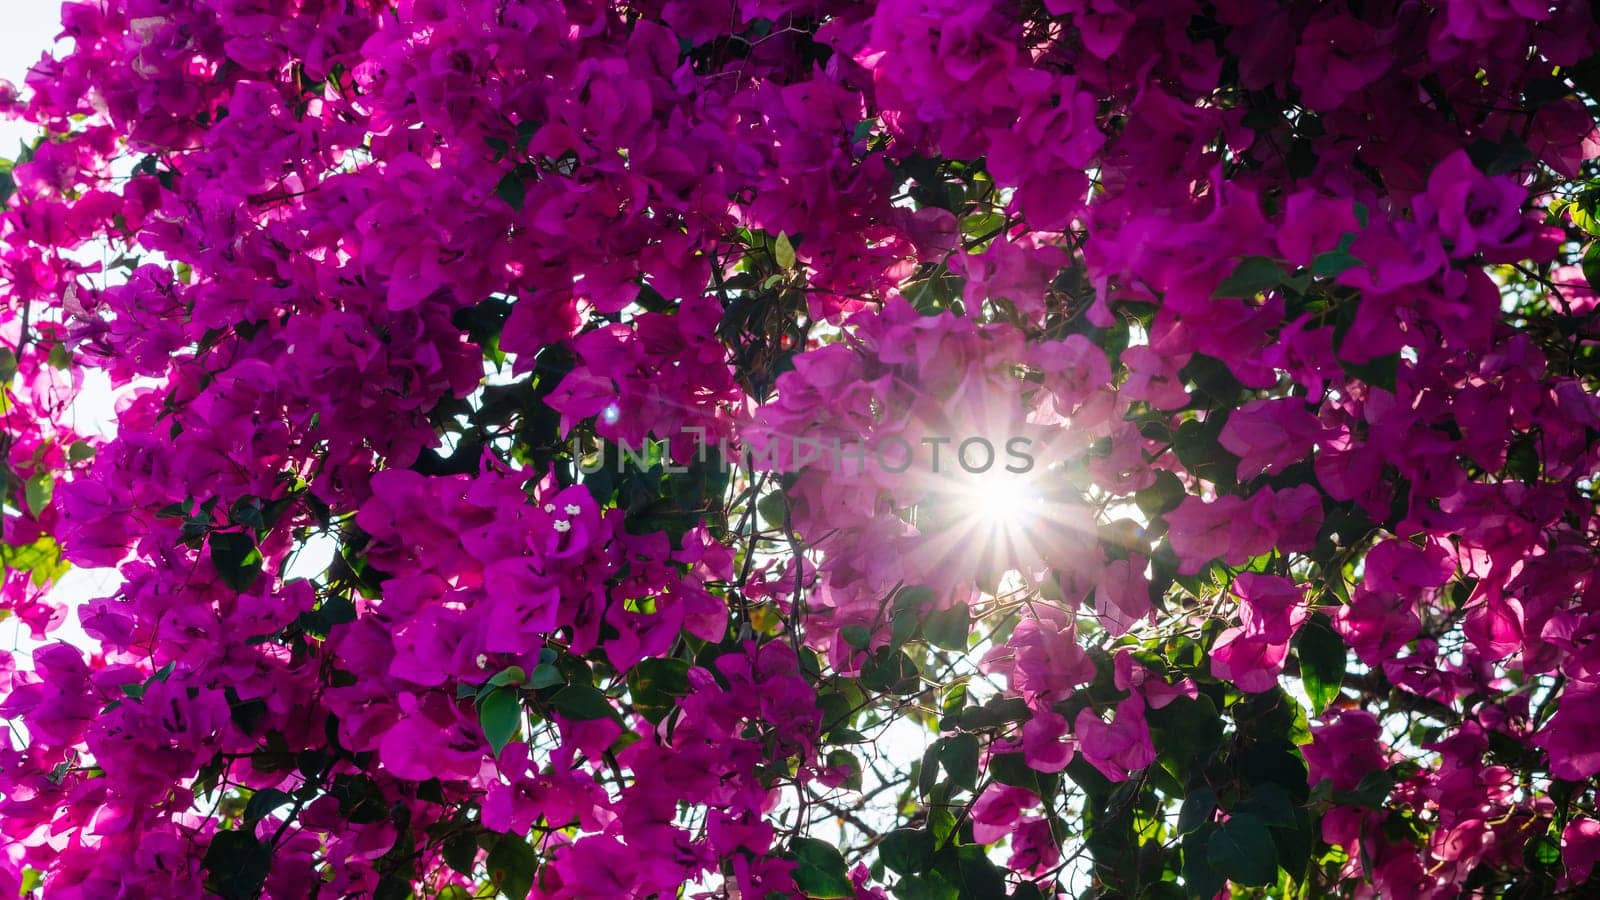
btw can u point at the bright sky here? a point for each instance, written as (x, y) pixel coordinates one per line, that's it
(27, 29)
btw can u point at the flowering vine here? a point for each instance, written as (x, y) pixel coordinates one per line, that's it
(772, 448)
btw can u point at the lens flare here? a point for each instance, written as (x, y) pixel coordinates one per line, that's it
(999, 504)
(984, 526)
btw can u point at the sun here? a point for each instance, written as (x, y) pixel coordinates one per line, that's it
(984, 526)
(999, 503)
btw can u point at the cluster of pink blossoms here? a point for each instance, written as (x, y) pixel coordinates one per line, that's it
(1288, 300)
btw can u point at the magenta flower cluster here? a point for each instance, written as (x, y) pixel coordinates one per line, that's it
(1290, 296)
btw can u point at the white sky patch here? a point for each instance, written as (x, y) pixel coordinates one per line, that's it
(29, 29)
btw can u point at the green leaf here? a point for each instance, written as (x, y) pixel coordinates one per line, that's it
(1500, 157)
(907, 850)
(931, 886)
(1522, 460)
(461, 852)
(941, 822)
(335, 610)
(431, 791)
(970, 867)
(1270, 803)
(837, 711)
(1297, 841)
(1380, 373)
(1013, 769)
(1217, 387)
(1582, 212)
(1161, 497)
(392, 887)
(1591, 262)
(891, 671)
(1031, 891)
(904, 626)
(38, 491)
(1198, 448)
(955, 697)
(1370, 792)
(1301, 160)
(857, 636)
(583, 702)
(500, 715)
(509, 676)
(546, 675)
(1250, 277)
(783, 251)
(512, 190)
(263, 802)
(1277, 760)
(1333, 263)
(236, 558)
(998, 711)
(1200, 880)
(655, 686)
(246, 511)
(526, 130)
(1322, 661)
(42, 558)
(928, 774)
(959, 756)
(8, 365)
(844, 759)
(983, 224)
(237, 865)
(820, 870)
(1242, 851)
(948, 628)
(512, 866)
(1186, 731)
(360, 799)
(1197, 809)
(1542, 851)
(773, 507)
